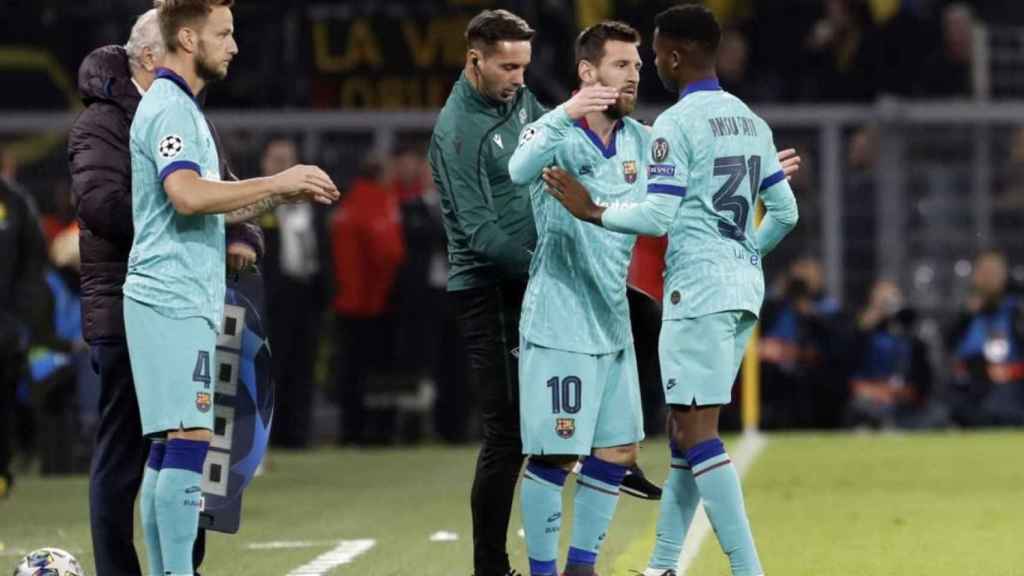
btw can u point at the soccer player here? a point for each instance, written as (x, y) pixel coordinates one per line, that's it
(711, 159)
(579, 393)
(174, 289)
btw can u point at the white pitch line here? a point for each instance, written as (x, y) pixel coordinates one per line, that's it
(749, 448)
(289, 544)
(345, 552)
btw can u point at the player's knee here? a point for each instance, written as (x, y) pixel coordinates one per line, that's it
(621, 455)
(563, 462)
(195, 434)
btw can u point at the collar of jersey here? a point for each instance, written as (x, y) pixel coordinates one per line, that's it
(483, 102)
(707, 84)
(606, 151)
(174, 77)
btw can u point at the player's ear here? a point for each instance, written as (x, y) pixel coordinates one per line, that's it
(473, 57)
(187, 39)
(586, 72)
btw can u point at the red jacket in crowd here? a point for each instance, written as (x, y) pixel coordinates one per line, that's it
(366, 233)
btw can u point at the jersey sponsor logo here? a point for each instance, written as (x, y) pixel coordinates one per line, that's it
(659, 150)
(171, 146)
(629, 171)
(668, 170)
(497, 140)
(522, 115)
(676, 297)
(565, 427)
(203, 402)
(670, 384)
(586, 169)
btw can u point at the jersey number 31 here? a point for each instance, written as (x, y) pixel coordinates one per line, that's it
(737, 169)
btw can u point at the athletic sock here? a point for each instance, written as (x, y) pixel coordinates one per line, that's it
(542, 515)
(719, 486)
(178, 498)
(679, 499)
(597, 493)
(147, 508)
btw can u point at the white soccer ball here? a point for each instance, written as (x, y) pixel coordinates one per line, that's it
(49, 562)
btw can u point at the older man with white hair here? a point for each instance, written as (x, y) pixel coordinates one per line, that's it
(112, 80)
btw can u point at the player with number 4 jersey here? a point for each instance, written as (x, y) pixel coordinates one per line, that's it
(711, 159)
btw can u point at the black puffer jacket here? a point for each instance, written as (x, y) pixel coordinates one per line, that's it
(101, 170)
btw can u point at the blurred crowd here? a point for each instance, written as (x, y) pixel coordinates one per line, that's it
(365, 350)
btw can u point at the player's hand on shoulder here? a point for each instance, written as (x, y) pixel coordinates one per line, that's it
(790, 162)
(589, 99)
(305, 182)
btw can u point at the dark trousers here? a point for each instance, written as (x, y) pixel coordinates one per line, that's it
(11, 365)
(117, 466)
(488, 320)
(364, 345)
(294, 337)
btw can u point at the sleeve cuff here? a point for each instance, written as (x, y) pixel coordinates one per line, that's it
(669, 189)
(772, 180)
(560, 117)
(179, 165)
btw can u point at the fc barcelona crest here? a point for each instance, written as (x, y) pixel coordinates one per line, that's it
(629, 171)
(203, 402)
(565, 427)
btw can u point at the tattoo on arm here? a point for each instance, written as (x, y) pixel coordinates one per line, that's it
(251, 211)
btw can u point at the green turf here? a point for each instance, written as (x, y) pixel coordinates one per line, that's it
(932, 505)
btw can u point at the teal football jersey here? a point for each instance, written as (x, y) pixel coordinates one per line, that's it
(576, 297)
(711, 159)
(176, 264)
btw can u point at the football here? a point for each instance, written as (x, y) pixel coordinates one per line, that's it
(49, 562)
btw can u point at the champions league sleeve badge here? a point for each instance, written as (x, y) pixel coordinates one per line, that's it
(243, 405)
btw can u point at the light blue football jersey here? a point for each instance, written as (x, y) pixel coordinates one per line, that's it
(576, 297)
(176, 265)
(711, 158)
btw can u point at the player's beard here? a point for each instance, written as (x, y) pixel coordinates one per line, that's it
(204, 69)
(623, 107)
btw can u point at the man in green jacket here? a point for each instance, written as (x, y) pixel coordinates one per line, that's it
(491, 236)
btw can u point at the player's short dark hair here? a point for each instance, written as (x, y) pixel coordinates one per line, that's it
(590, 43)
(492, 26)
(177, 14)
(690, 22)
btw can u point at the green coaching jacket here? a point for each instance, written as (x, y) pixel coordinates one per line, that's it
(487, 218)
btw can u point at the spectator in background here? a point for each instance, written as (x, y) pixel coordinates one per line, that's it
(802, 351)
(111, 81)
(22, 310)
(987, 343)
(736, 73)
(947, 72)
(892, 378)
(295, 272)
(368, 248)
(843, 54)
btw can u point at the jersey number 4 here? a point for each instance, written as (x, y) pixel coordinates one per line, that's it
(737, 169)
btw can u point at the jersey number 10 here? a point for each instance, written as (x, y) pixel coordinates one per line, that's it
(737, 168)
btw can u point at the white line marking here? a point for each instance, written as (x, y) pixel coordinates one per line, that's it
(444, 536)
(345, 552)
(285, 544)
(749, 448)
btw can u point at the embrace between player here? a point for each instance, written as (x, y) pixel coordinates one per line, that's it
(711, 159)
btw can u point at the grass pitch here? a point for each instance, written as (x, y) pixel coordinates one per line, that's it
(930, 505)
